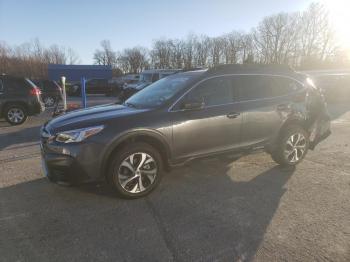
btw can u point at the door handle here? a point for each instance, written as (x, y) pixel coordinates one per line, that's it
(233, 115)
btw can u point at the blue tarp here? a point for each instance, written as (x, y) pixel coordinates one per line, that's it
(74, 73)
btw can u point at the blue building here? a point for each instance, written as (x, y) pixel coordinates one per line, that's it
(74, 73)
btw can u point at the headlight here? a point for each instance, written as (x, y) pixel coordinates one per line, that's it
(77, 135)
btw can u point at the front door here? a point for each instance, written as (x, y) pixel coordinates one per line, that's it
(213, 128)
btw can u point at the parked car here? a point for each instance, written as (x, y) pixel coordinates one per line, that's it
(226, 109)
(19, 98)
(335, 86)
(92, 86)
(131, 79)
(51, 92)
(147, 77)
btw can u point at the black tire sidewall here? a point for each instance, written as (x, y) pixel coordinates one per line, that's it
(8, 108)
(124, 153)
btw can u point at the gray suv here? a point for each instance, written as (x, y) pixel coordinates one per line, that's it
(226, 109)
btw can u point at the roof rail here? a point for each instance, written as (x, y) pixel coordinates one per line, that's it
(250, 67)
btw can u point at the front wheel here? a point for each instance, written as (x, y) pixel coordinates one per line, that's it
(135, 170)
(292, 146)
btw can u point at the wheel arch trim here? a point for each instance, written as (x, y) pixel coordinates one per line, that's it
(134, 134)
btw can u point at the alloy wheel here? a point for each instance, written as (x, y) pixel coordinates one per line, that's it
(295, 147)
(15, 115)
(137, 172)
(49, 101)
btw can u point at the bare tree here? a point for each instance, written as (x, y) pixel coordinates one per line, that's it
(276, 37)
(216, 50)
(31, 59)
(202, 47)
(133, 60)
(106, 55)
(316, 37)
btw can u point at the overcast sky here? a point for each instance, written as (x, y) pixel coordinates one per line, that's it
(81, 25)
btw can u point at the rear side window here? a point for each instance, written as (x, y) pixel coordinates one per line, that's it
(254, 87)
(49, 85)
(16, 85)
(214, 91)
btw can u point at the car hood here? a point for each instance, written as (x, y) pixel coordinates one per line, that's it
(89, 117)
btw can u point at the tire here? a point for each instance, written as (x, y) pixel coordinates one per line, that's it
(292, 146)
(15, 114)
(130, 179)
(49, 101)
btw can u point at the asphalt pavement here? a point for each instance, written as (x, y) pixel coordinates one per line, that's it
(225, 209)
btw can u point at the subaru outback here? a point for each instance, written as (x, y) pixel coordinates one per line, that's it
(190, 115)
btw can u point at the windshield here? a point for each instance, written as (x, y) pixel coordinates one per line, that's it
(146, 78)
(159, 92)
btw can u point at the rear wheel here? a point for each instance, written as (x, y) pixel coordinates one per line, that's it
(135, 170)
(15, 114)
(292, 146)
(49, 101)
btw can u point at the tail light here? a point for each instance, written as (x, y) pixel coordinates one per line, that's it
(35, 91)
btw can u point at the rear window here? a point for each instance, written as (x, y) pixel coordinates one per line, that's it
(17, 85)
(260, 86)
(49, 85)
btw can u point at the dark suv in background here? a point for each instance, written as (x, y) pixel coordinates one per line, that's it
(51, 92)
(226, 109)
(92, 86)
(19, 98)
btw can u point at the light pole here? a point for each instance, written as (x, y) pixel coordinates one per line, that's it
(63, 81)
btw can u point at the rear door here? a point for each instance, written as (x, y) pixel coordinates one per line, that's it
(214, 128)
(266, 102)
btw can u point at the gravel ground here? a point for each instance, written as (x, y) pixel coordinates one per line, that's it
(211, 210)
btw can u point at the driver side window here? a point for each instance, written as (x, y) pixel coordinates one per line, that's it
(212, 92)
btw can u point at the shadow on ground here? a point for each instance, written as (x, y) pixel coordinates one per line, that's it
(198, 213)
(338, 110)
(21, 135)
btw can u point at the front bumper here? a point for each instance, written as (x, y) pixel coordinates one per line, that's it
(61, 168)
(68, 163)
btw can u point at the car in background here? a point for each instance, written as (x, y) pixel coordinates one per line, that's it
(19, 98)
(335, 86)
(51, 92)
(147, 77)
(230, 109)
(130, 79)
(92, 86)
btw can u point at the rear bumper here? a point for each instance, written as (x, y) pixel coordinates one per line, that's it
(36, 108)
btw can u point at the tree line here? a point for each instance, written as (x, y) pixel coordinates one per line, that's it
(31, 59)
(303, 40)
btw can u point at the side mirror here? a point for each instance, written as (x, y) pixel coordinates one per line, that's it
(193, 105)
